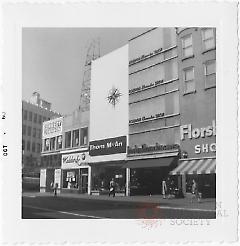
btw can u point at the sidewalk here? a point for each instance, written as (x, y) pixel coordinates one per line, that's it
(207, 204)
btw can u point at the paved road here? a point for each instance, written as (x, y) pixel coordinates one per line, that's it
(48, 207)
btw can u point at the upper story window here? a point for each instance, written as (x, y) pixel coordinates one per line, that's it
(38, 147)
(33, 147)
(210, 73)
(68, 139)
(84, 136)
(30, 116)
(52, 143)
(34, 132)
(25, 114)
(39, 133)
(59, 142)
(28, 145)
(187, 46)
(29, 130)
(208, 38)
(46, 144)
(24, 130)
(188, 79)
(75, 139)
(35, 118)
(40, 119)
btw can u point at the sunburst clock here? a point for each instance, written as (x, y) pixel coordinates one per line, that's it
(114, 96)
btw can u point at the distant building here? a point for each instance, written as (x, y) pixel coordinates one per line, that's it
(34, 113)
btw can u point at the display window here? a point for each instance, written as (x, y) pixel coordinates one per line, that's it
(101, 177)
(71, 179)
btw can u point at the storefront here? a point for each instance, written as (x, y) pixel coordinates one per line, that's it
(198, 160)
(107, 163)
(76, 173)
(146, 171)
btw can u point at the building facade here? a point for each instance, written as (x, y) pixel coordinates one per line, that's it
(197, 79)
(34, 113)
(65, 155)
(154, 112)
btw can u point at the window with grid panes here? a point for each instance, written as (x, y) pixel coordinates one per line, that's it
(187, 46)
(188, 78)
(210, 73)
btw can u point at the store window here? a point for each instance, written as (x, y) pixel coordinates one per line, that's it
(34, 132)
(84, 136)
(35, 118)
(29, 130)
(208, 39)
(187, 46)
(188, 78)
(52, 143)
(24, 130)
(210, 73)
(33, 147)
(70, 179)
(28, 145)
(46, 144)
(59, 142)
(68, 139)
(39, 119)
(30, 116)
(75, 141)
(25, 114)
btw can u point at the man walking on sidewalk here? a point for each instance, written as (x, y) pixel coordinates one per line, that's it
(112, 188)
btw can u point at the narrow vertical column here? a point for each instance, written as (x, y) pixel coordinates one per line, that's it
(128, 181)
(89, 179)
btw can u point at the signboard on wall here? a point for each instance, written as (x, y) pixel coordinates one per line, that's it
(197, 141)
(108, 146)
(109, 104)
(52, 128)
(75, 160)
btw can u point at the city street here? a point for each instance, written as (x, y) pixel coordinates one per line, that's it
(69, 206)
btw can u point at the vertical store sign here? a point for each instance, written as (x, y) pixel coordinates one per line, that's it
(109, 100)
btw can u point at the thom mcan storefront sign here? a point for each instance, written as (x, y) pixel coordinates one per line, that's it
(108, 146)
(75, 160)
(191, 133)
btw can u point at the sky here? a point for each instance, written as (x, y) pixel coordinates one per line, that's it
(53, 60)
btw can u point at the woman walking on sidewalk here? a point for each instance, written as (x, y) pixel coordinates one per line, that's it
(195, 191)
(112, 188)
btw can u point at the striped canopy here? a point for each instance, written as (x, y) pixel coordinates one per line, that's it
(200, 166)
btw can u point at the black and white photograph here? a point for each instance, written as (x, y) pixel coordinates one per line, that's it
(120, 127)
(119, 122)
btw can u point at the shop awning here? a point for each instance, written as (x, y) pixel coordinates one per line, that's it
(145, 163)
(200, 166)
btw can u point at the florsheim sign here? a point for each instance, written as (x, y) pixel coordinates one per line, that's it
(108, 146)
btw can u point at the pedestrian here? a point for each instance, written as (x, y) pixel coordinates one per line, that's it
(55, 189)
(112, 188)
(164, 188)
(52, 186)
(168, 185)
(195, 191)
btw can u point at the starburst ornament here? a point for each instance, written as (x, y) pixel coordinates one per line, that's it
(114, 96)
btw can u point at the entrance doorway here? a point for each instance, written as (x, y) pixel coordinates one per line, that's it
(83, 182)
